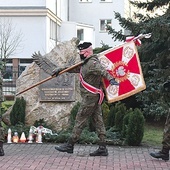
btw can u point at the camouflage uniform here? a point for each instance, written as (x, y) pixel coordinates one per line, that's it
(1, 93)
(1, 128)
(92, 73)
(1, 140)
(166, 135)
(1, 99)
(164, 153)
(2, 134)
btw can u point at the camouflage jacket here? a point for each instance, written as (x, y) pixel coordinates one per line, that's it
(92, 72)
(1, 92)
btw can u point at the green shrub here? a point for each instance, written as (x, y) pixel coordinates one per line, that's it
(135, 129)
(62, 137)
(126, 123)
(100, 49)
(42, 122)
(128, 127)
(17, 114)
(105, 111)
(111, 117)
(121, 111)
(88, 137)
(5, 106)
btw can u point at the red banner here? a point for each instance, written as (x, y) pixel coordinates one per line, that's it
(123, 64)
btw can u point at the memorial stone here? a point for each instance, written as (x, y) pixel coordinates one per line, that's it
(53, 100)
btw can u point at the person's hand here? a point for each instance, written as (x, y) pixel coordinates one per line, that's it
(113, 82)
(56, 71)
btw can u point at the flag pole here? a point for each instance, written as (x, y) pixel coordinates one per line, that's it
(51, 77)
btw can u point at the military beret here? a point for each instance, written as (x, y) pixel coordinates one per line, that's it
(84, 45)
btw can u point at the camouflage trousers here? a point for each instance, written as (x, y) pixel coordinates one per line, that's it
(166, 135)
(1, 134)
(89, 109)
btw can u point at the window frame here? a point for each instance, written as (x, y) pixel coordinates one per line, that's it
(85, 1)
(106, 22)
(53, 30)
(81, 37)
(106, 1)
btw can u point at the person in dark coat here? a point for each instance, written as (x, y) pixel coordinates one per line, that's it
(164, 152)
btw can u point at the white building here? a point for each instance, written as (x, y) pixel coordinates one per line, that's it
(36, 20)
(43, 23)
(98, 13)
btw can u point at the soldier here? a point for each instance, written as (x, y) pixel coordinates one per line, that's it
(1, 128)
(1, 139)
(91, 73)
(164, 153)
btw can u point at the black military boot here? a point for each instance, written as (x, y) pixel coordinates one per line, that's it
(67, 147)
(163, 154)
(1, 149)
(101, 151)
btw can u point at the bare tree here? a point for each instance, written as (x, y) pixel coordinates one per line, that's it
(10, 40)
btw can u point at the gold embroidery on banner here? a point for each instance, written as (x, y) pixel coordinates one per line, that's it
(120, 71)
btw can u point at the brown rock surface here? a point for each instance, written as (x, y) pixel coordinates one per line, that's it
(55, 113)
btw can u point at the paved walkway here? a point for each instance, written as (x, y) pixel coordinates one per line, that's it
(45, 157)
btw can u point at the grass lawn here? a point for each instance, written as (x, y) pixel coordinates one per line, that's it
(153, 134)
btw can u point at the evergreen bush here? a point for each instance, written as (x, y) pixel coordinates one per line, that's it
(62, 136)
(42, 122)
(105, 111)
(126, 123)
(127, 127)
(17, 114)
(111, 117)
(88, 137)
(119, 115)
(5, 106)
(135, 130)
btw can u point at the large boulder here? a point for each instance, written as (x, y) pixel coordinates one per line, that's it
(55, 113)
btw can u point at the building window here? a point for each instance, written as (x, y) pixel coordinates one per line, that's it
(23, 63)
(28, 61)
(8, 74)
(53, 30)
(80, 34)
(85, 0)
(103, 23)
(106, 0)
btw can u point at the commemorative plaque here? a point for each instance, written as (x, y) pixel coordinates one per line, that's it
(60, 88)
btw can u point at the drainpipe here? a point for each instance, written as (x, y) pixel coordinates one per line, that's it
(68, 10)
(56, 26)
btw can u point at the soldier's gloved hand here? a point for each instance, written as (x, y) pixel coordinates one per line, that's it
(113, 82)
(56, 71)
